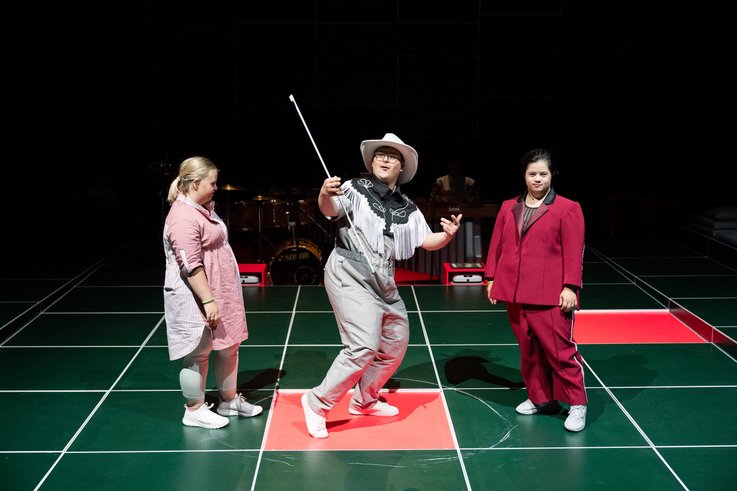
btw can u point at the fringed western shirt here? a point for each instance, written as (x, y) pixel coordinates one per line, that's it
(388, 225)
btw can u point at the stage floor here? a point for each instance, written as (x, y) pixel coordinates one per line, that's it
(84, 343)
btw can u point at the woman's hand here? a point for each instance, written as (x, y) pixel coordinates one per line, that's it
(568, 300)
(212, 314)
(488, 292)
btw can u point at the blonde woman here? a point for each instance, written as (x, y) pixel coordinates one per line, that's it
(203, 299)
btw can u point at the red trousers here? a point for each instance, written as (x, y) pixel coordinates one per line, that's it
(551, 365)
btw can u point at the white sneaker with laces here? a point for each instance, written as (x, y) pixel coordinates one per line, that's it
(203, 417)
(238, 406)
(315, 423)
(380, 408)
(576, 420)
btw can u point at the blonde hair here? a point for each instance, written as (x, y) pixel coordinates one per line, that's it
(190, 170)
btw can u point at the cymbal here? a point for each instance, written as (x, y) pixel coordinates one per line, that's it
(261, 197)
(230, 187)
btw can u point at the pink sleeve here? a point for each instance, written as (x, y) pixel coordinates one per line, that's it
(572, 237)
(496, 240)
(185, 234)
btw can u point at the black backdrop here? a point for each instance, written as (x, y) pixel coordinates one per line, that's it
(105, 99)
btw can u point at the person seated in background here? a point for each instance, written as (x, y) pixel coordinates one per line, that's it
(455, 187)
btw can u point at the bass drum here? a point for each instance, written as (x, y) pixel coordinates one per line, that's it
(296, 264)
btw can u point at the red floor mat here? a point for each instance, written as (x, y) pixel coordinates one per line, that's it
(631, 326)
(418, 411)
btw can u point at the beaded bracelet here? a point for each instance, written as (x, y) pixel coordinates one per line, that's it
(207, 301)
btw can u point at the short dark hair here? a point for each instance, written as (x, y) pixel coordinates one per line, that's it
(538, 155)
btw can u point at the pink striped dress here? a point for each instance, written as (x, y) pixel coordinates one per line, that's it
(196, 236)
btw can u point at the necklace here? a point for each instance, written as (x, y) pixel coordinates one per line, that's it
(532, 201)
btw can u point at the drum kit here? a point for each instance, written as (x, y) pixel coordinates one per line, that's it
(275, 219)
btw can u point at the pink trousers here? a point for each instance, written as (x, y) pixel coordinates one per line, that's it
(550, 363)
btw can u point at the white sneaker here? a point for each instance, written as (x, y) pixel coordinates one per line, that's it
(527, 407)
(203, 417)
(576, 420)
(238, 406)
(315, 423)
(380, 408)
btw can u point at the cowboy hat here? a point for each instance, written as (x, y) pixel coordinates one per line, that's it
(409, 155)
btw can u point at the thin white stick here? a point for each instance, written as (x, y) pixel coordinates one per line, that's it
(291, 98)
(358, 239)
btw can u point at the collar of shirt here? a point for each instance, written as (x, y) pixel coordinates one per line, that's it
(549, 198)
(384, 192)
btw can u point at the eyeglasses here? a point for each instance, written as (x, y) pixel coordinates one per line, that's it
(393, 159)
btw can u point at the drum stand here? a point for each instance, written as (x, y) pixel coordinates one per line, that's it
(292, 225)
(314, 222)
(261, 236)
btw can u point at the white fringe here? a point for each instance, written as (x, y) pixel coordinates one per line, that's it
(366, 220)
(407, 236)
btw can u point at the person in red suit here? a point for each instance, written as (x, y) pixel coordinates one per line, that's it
(534, 266)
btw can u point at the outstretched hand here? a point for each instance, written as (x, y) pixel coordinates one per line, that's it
(450, 227)
(437, 240)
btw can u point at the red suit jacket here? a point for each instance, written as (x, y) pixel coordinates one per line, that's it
(532, 267)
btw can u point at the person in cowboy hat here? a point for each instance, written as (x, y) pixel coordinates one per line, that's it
(376, 224)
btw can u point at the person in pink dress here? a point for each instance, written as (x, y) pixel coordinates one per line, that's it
(203, 297)
(535, 266)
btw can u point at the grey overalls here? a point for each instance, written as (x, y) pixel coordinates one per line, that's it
(371, 316)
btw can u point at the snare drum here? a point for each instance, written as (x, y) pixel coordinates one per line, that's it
(299, 264)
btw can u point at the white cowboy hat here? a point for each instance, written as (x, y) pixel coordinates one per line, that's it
(409, 168)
